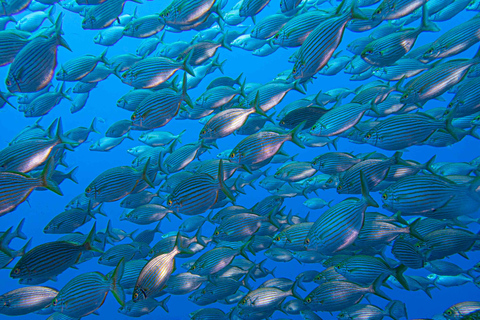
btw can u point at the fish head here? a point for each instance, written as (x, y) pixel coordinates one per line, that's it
(59, 303)
(370, 54)
(431, 53)
(235, 156)
(382, 10)
(206, 133)
(332, 182)
(121, 103)
(138, 294)
(89, 22)
(452, 313)
(410, 96)
(279, 37)
(280, 240)
(316, 129)
(299, 69)
(13, 82)
(370, 137)
(98, 38)
(344, 187)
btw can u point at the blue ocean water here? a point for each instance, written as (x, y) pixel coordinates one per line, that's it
(43, 205)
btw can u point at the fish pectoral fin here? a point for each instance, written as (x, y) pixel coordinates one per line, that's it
(445, 204)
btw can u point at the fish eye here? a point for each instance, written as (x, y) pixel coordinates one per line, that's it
(294, 70)
(243, 301)
(203, 131)
(232, 155)
(8, 82)
(308, 300)
(378, 11)
(417, 245)
(369, 51)
(276, 36)
(16, 270)
(330, 180)
(368, 136)
(216, 233)
(384, 196)
(277, 238)
(169, 202)
(307, 241)
(430, 51)
(339, 187)
(193, 267)
(135, 295)
(54, 302)
(449, 312)
(134, 117)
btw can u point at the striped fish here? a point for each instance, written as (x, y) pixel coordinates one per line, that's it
(143, 27)
(228, 121)
(262, 146)
(364, 270)
(250, 8)
(446, 242)
(202, 51)
(77, 68)
(339, 119)
(16, 187)
(180, 158)
(239, 227)
(320, 44)
(265, 299)
(70, 220)
(338, 295)
(33, 67)
(294, 117)
(460, 310)
(143, 307)
(85, 293)
(131, 100)
(198, 193)
(146, 214)
(295, 171)
(375, 171)
(184, 283)
(407, 253)
(430, 196)
(271, 94)
(127, 252)
(387, 50)
(293, 237)
(160, 108)
(269, 26)
(154, 276)
(26, 300)
(130, 274)
(184, 13)
(338, 227)
(153, 71)
(454, 41)
(103, 15)
(122, 62)
(436, 81)
(395, 9)
(11, 43)
(51, 258)
(466, 100)
(334, 162)
(215, 260)
(218, 96)
(296, 30)
(27, 155)
(403, 68)
(118, 182)
(405, 130)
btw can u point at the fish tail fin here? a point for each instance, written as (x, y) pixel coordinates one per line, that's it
(50, 14)
(400, 277)
(178, 245)
(365, 192)
(103, 56)
(375, 288)
(115, 286)
(427, 25)
(72, 175)
(224, 43)
(242, 88)
(93, 126)
(18, 233)
(47, 174)
(185, 95)
(448, 124)
(163, 303)
(428, 291)
(297, 86)
(398, 85)
(356, 13)
(335, 143)
(218, 64)
(198, 236)
(396, 310)
(186, 64)
(218, 10)
(294, 135)
(223, 187)
(145, 176)
(429, 164)
(413, 229)
(295, 286)
(244, 282)
(24, 249)
(237, 81)
(59, 32)
(90, 238)
(477, 54)
(243, 249)
(473, 132)
(179, 138)
(259, 110)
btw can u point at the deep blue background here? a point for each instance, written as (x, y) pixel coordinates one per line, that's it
(102, 103)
